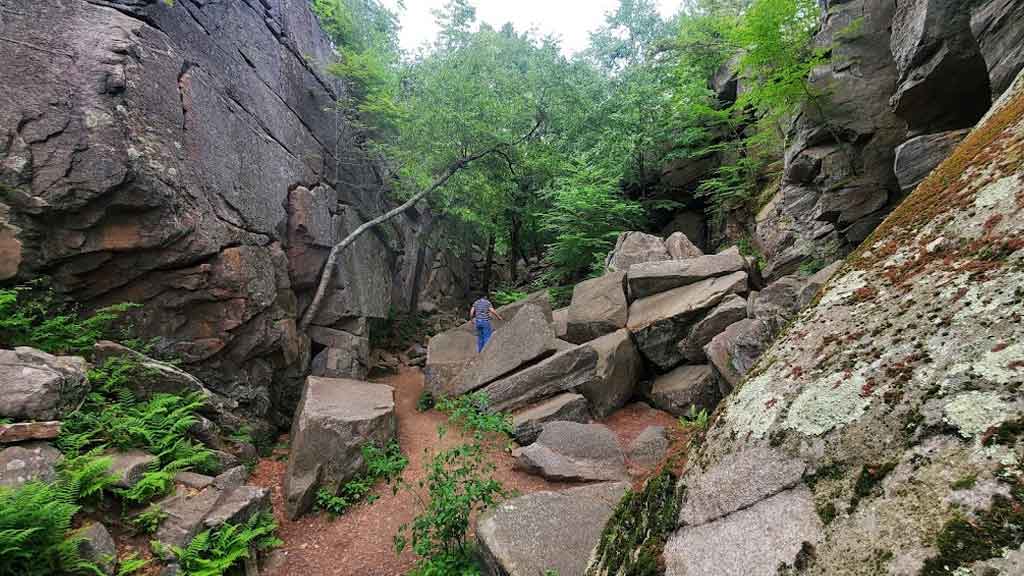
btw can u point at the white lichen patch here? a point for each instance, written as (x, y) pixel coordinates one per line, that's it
(754, 407)
(997, 197)
(841, 288)
(828, 403)
(972, 413)
(996, 366)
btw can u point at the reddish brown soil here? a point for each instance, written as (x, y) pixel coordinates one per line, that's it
(359, 543)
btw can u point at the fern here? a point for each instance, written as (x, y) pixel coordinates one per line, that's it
(214, 552)
(149, 520)
(35, 532)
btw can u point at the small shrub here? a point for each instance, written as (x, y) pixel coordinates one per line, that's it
(503, 297)
(382, 464)
(472, 413)
(148, 521)
(425, 402)
(130, 564)
(214, 552)
(694, 419)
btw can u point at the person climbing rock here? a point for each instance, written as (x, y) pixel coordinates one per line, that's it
(481, 313)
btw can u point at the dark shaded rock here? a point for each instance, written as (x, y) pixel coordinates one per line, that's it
(735, 351)
(659, 322)
(816, 281)
(128, 467)
(619, 369)
(22, 431)
(996, 26)
(348, 362)
(35, 385)
(680, 247)
(238, 505)
(692, 223)
(526, 338)
(527, 536)
(598, 307)
(634, 248)
(650, 278)
(917, 157)
(28, 462)
(566, 407)
(97, 546)
(567, 371)
(573, 451)
(779, 302)
(650, 447)
(334, 419)
(732, 309)
(684, 389)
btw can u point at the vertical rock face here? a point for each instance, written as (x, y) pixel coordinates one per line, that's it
(996, 25)
(188, 158)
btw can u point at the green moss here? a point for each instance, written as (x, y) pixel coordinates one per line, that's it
(870, 477)
(830, 471)
(963, 541)
(634, 538)
(827, 513)
(1006, 434)
(966, 483)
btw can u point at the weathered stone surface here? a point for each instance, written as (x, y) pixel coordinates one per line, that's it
(634, 248)
(650, 278)
(659, 322)
(557, 531)
(779, 302)
(128, 467)
(156, 377)
(349, 362)
(35, 385)
(566, 407)
(561, 320)
(526, 338)
(753, 542)
(193, 480)
(943, 79)
(574, 451)
(996, 25)
(692, 223)
(735, 351)
(238, 505)
(816, 281)
(22, 431)
(619, 369)
(650, 447)
(917, 157)
(732, 309)
(567, 371)
(738, 481)
(97, 546)
(690, 387)
(28, 462)
(598, 307)
(680, 247)
(335, 418)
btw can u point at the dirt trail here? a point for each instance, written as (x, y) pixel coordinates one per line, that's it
(360, 542)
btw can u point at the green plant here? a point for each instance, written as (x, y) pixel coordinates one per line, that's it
(149, 520)
(812, 266)
(85, 477)
(472, 413)
(503, 297)
(426, 401)
(694, 419)
(214, 552)
(130, 564)
(382, 464)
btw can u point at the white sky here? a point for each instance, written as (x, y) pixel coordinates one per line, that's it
(571, 19)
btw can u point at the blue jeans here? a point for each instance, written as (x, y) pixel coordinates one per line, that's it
(483, 334)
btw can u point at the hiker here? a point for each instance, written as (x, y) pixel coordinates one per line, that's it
(481, 312)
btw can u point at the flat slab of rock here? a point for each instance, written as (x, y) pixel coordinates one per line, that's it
(238, 505)
(557, 531)
(334, 418)
(731, 310)
(566, 371)
(567, 407)
(735, 351)
(633, 248)
(598, 307)
(660, 322)
(619, 368)
(526, 338)
(752, 542)
(650, 278)
(22, 431)
(690, 387)
(128, 467)
(573, 451)
(650, 447)
(39, 386)
(28, 462)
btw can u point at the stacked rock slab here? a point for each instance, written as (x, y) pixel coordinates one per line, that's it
(570, 451)
(567, 407)
(571, 370)
(687, 389)
(652, 278)
(335, 418)
(598, 307)
(633, 248)
(619, 369)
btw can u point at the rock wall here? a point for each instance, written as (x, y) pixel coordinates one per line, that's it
(190, 157)
(882, 433)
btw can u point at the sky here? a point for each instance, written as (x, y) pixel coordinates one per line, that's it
(570, 19)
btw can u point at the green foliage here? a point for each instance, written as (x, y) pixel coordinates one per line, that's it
(986, 535)
(382, 464)
(472, 413)
(32, 315)
(215, 552)
(130, 564)
(458, 564)
(426, 401)
(85, 477)
(503, 297)
(148, 521)
(694, 419)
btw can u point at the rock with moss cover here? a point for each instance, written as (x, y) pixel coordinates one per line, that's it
(546, 532)
(882, 433)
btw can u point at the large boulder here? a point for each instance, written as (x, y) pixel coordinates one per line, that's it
(526, 338)
(634, 248)
(567, 371)
(574, 451)
(619, 369)
(679, 247)
(650, 278)
(996, 25)
(561, 320)
(917, 157)
(731, 310)
(567, 407)
(35, 385)
(684, 389)
(735, 351)
(598, 307)
(346, 355)
(546, 531)
(335, 418)
(779, 302)
(28, 462)
(659, 322)
(97, 546)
